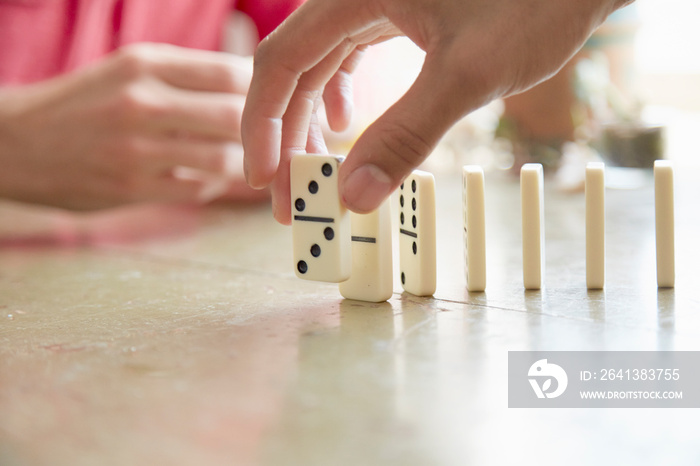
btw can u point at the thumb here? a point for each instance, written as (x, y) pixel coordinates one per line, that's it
(399, 140)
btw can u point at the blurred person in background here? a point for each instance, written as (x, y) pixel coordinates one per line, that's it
(107, 103)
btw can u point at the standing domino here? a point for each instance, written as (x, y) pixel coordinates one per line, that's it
(474, 227)
(372, 275)
(532, 199)
(665, 248)
(417, 252)
(320, 224)
(595, 225)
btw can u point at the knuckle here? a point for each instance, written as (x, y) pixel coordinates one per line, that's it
(129, 103)
(134, 61)
(342, 87)
(267, 56)
(263, 52)
(129, 100)
(405, 147)
(137, 103)
(348, 44)
(305, 101)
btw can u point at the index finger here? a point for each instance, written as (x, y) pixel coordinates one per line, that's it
(299, 44)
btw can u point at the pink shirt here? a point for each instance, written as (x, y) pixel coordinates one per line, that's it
(42, 38)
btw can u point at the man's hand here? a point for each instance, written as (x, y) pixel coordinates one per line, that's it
(476, 51)
(148, 123)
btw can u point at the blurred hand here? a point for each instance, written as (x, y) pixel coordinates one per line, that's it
(476, 51)
(150, 122)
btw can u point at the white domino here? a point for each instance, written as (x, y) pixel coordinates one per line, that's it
(474, 220)
(372, 272)
(595, 225)
(532, 200)
(417, 230)
(320, 224)
(665, 248)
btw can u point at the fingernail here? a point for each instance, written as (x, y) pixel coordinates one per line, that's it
(365, 188)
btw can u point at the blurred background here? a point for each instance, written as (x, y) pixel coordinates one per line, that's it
(632, 95)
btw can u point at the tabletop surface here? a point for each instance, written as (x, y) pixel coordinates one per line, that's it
(178, 335)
